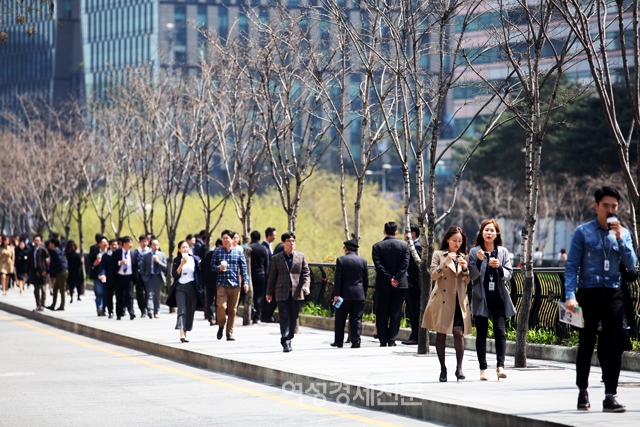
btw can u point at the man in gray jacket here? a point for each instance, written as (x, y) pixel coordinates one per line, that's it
(154, 270)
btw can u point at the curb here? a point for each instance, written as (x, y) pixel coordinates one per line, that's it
(360, 395)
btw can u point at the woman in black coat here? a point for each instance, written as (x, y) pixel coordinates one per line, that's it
(74, 262)
(22, 268)
(186, 292)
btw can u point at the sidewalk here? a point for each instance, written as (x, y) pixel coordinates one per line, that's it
(392, 379)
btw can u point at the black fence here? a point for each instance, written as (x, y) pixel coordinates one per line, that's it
(548, 288)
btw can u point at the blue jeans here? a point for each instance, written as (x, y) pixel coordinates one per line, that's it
(98, 289)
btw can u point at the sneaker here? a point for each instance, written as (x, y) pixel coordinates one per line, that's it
(610, 404)
(583, 401)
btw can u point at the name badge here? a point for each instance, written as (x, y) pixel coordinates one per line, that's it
(606, 265)
(492, 286)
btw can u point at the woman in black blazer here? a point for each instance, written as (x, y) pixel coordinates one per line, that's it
(186, 292)
(74, 262)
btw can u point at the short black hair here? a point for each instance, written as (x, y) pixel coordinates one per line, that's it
(228, 233)
(218, 242)
(189, 237)
(390, 228)
(55, 242)
(103, 238)
(601, 193)
(126, 239)
(269, 231)
(142, 237)
(99, 237)
(288, 235)
(112, 241)
(255, 235)
(203, 234)
(37, 235)
(415, 229)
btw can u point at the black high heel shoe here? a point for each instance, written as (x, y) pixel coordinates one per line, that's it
(443, 376)
(460, 375)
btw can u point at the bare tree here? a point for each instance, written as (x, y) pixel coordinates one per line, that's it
(608, 32)
(23, 12)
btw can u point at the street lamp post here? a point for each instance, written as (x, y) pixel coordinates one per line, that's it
(382, 172)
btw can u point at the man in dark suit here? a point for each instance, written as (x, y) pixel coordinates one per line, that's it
(141, 290)
(209, 280)
(412, 297)
(269, 308)
(200, 249)
(259, 271)
(351, 283)
(153, 272)
(37, 261)
(122, 264)
(289, 281)
(391, 258)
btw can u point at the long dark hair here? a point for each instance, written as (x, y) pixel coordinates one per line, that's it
(450, 232)
(71, 247)
(180, 244)
(480, 239)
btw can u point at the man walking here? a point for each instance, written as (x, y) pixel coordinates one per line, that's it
(259, 271)
(412, 297)
(289, 281)
(108, 276)
(37, 261)
(209, 281)
(200, 248)
(122, 264)
(269, 308)
(597, 249)
(351, 283)
(229, 263)
(391, 259)
(141, 289)
(59, 273)
(153, 272)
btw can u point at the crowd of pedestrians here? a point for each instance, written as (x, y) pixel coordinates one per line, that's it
(215, 280)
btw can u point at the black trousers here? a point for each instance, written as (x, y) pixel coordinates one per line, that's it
(496, 310)
(259, 291)
(354, 309)
(210, 294)
(388, 313)
(141, 294)
(267, 311)
(412, 300)
(124, 294)
(600, 305)
(109, 292)
(289, 311)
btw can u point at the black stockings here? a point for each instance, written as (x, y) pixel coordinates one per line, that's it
(458, 342)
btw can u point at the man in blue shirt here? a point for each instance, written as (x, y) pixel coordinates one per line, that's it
(593, 267)
(229, 263)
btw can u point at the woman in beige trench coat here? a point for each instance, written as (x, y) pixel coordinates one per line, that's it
(448, 307)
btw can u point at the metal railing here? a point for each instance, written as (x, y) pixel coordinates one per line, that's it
(548, 288)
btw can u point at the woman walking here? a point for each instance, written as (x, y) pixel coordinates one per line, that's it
(7, 262)
(22, 267)
(74, 262)
(490, 269)
(186, 292)
(448, 307)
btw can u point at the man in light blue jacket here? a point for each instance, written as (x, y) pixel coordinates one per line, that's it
(593, 267)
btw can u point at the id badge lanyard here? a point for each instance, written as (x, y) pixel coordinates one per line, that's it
(492, 282)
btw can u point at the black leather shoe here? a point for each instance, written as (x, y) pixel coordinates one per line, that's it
(220, 331)
(290, 348)
(583, 401)
(50, 307)
(117, 318)
(610, 404)
(150, 316)
(334, 344)
(383, 344)
(460, 375)
(391, 343)
(110, 315)
(410, 342)
(354, 345)
(443, 376)
(132, 316)
(286, 349)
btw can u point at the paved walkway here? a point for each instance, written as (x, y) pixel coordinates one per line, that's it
(399, 380)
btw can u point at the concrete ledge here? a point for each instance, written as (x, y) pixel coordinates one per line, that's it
(358, 394)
